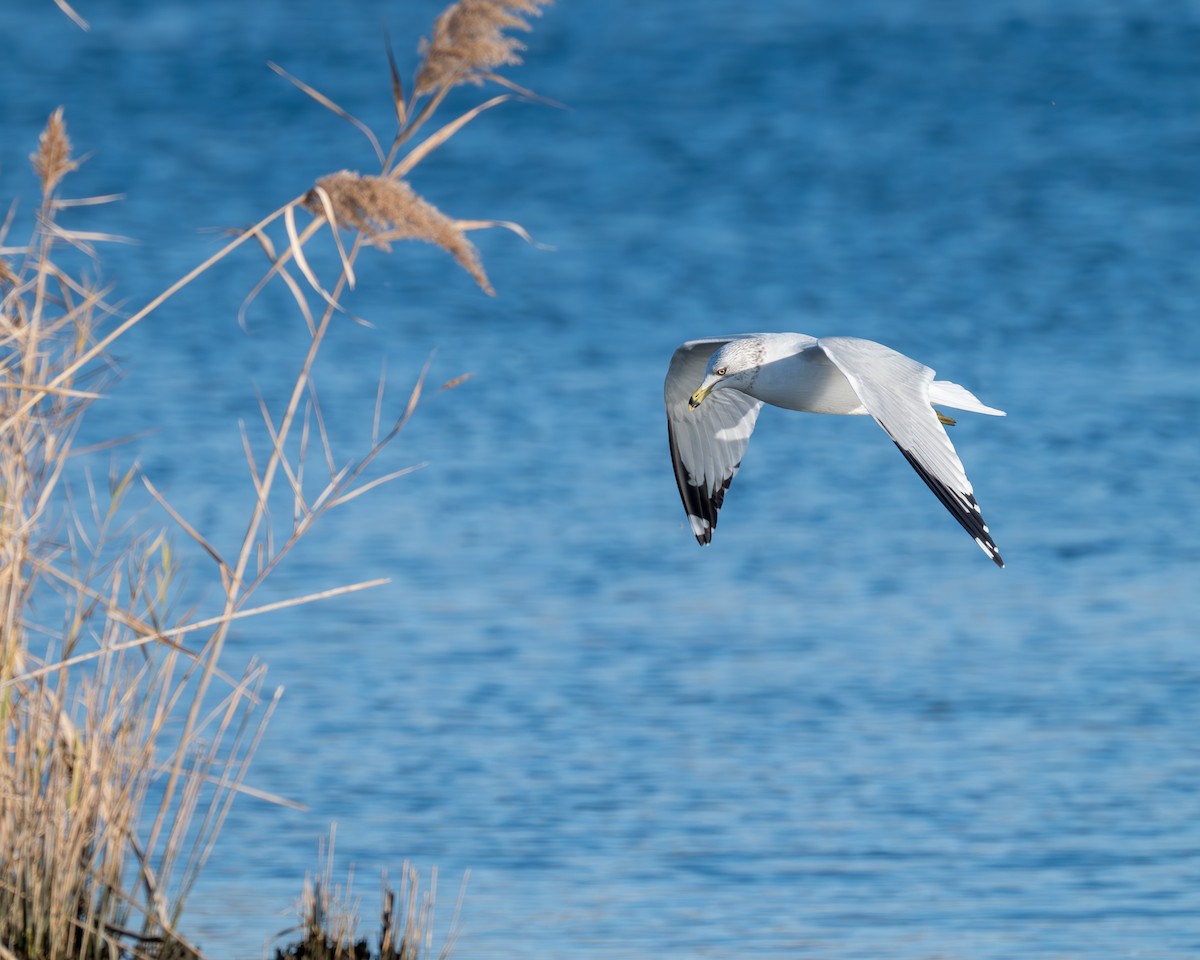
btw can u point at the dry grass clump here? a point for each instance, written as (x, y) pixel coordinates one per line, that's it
(123, 738)
(330, 922)
(86, 869)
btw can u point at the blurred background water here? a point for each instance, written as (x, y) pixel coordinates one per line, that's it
(838, 732)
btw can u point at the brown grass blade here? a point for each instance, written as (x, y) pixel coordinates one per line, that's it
(414, 397)
(331, 106)
(54, 391)
(440, 136)
(327, 208)
(268, 246)
(66, 8)
(248, 453)
(63, 203)
(427, 110)
(377, 482)
(82, 238)
(297, 293)
(516, 228)
(460, 379)
(397, 86)
(275, 799)
(322, 431)
(307, 598)
(524, 93)
(292, 475)
(277, 269)
(296, 246)
(181, 631)
(186, 527)
(297, 251)
(377, 418)
(102, 445)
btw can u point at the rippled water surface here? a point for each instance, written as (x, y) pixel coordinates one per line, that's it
(839, 732)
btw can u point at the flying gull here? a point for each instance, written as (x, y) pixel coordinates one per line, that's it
(715, 388)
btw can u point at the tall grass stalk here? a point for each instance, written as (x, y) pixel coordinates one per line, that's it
(125, 740)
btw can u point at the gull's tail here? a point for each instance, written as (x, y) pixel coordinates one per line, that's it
(943, 393)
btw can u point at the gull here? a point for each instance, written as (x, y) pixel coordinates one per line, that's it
(716, 387)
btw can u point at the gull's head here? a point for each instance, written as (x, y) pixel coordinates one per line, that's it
(734, 365)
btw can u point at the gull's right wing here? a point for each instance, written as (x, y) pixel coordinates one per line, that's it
(707, 443)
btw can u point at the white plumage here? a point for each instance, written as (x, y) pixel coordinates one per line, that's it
(715, 388)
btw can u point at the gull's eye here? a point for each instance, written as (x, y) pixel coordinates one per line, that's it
(720, 371)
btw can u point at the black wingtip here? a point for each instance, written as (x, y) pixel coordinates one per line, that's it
(962, 507)
(699, 503)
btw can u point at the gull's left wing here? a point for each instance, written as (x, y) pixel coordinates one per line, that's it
(895, 391)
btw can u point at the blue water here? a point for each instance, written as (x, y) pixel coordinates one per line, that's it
(840, 732)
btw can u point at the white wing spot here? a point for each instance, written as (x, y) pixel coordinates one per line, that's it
(740, 430)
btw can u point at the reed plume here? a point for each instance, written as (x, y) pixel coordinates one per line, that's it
(53, 161)
(469, 42)
(383, 209)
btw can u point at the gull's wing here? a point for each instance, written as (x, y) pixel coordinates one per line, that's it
(895, 391)
(707, 443)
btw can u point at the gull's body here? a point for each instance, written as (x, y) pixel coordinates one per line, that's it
(716, 387)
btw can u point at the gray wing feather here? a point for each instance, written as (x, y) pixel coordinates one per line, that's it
(895, 390)
(707, 444)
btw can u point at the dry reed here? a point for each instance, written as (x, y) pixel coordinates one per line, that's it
(125, 740)
(84, 726)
